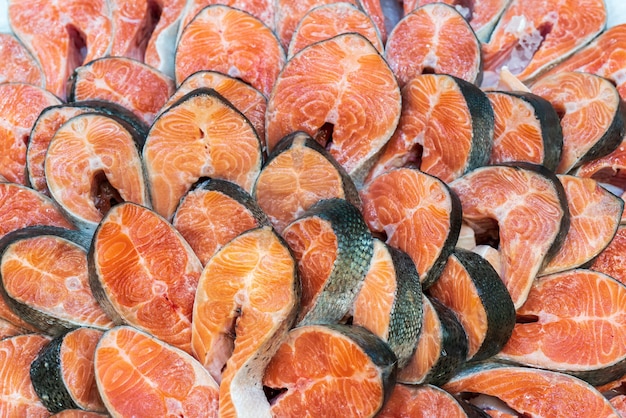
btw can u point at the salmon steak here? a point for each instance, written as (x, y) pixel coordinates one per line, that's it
(298, 174)
(92, 163)
(544, 393)
(328, 20)
(19, 64)
(396, 204)
(63, 372)
(162, 42)
(341, 92)
(592, 115)
(241, 314)
(441, 349)
(125, 81)
(595, 215)
(423, 401)
(214, 212)
(45, 279)
(446, 128)
(160, 380)
(53, 117)
(62, 36)
(231, 41)
(533, 35)
(248, 100)
(201, 135)
(588, 302)
(526, 128)
(603, 56)
(20, 105)
(132, 24)
(389, 303)
(19, 398)
(143, 282)
(288, 15)
(333, 249)
(434, 38)
(351, 369)
(481, 14)
(522, 211)
(472, 289)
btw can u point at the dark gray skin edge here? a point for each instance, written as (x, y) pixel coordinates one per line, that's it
(231, 190)
(453, 346)
(495, 299)
(551, 132)
(48, 324)
(47, 377)
(349, 187)
(355, 248)
(406, 314)
(483, 121)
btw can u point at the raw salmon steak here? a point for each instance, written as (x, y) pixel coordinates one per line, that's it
(201, 135)
(446, 128)
(533, 35)
(325, 21)
(389, 303)
(231, 41)
(162, 43)
(398, 204)
(333, 248)
(441, 350)
(125, 81)
(341, 92)
(526, 128)
(289, 13)
(142, 281)
(472, 289)
(133, 21)
(261, 9)
(592, 115)
(20, 104)
(21, 206)
(45, 279)
(298, 174)
(248, 100)
(590, 306)
(612, 260)
(92, 163)
(604, 56)
(158, 380)
(330, 371)
(533, 392)
(423, 401)
(434, 38)
(242, 312)
(481, 14)
(62, 36)
(19, 65)
(529, 206)
(63, 372)
(595, 215)
(52, 118)
(212, 213)
(19, 398)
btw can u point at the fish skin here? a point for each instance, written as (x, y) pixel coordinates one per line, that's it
(355, 248)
